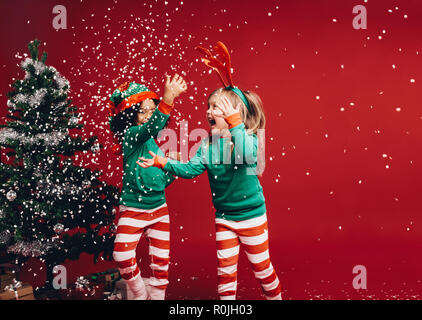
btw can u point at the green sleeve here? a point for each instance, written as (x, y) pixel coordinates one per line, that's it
(187, 170)
(246, 145)
(169, 179)
(138, 135)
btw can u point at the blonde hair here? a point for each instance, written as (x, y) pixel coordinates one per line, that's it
(254, 119)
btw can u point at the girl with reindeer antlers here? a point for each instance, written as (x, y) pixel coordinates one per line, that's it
(233, 161)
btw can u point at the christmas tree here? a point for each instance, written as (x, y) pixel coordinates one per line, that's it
(43, 193)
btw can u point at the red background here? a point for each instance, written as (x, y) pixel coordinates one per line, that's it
(321, 224)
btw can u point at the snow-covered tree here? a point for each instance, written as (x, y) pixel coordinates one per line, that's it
(43, 192)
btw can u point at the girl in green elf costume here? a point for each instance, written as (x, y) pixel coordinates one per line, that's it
(136, 117)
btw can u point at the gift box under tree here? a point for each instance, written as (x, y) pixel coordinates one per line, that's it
(83, 289)
(17, 291)
(7, 274)
(108, 278)
(6, 279)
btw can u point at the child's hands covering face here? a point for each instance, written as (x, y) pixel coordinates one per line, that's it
(173, 88)
(225, 108)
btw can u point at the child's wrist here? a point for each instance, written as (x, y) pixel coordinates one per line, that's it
(168, 97)
(233, 120)
(160, 162)
(168, 100)
(165, 107)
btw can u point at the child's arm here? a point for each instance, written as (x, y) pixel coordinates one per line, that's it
(169, 179)
(187, 170)
(172, 89)
(137, 135)
(246, 145)
(168, 176)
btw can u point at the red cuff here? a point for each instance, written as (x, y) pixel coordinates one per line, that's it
(164, 107)
(233, 120)
(160, 162)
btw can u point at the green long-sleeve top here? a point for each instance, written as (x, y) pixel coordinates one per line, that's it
(236, 192)
(143, 188)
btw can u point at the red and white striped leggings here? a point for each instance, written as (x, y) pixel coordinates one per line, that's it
(253, 235)
(133, 223)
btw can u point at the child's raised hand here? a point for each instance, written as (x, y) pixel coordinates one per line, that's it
(173, 88)
(226, 108)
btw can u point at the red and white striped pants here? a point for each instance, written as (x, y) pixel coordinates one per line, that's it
(253, 235)
(133, 223)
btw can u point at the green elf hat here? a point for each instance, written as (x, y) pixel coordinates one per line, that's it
(124, 97)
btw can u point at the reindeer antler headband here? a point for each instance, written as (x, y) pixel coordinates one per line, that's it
(223, 68)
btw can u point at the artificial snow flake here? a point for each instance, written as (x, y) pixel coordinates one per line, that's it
(73, 121)
(113, 228)
(10, 104)
(11, 195)
(95, 147)
(58, 228)
(5, 237)
(86, 184)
